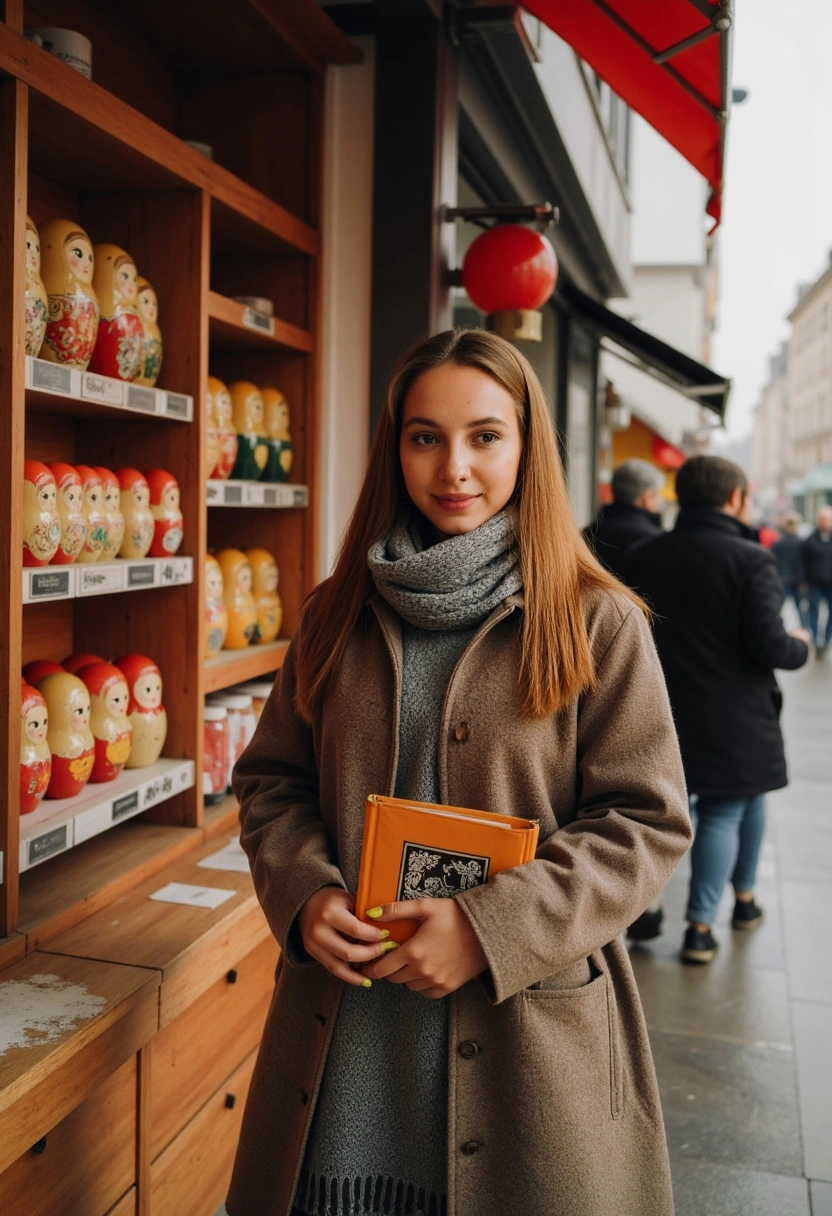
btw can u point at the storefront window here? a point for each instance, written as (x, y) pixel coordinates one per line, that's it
(580, 425)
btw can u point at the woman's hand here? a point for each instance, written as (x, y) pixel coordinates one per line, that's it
(335, 938)
(443, 954)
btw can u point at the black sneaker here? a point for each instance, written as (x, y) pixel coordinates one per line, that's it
(647, 926)
(747, 914)
(699, 946)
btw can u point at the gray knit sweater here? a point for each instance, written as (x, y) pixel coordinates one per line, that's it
(378, 1138)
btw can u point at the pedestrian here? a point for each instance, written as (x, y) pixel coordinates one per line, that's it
(817, 565)
(631, 517)
(466, 649)
(717, 597)
(788, 553)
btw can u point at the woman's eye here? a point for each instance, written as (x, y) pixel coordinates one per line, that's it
(425, 440)
(488, 437)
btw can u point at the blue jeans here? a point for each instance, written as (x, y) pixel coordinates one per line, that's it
(791, 591)
(726, 845)
(816, 595)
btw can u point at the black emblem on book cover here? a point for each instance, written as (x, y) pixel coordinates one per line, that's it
(431, 874)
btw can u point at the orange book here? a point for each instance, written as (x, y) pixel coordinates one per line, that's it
(421, 850)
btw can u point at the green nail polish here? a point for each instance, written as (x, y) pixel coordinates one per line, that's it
(389, 946)
(385, 933)
(374, 913)
(366, 983)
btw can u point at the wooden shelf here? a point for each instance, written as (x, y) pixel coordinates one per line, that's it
(61, 823)
(236, 666)
(232, 326)
(52, 388)
(257, 494)
(105, 578)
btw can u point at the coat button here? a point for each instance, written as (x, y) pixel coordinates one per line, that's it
(468, 1049)
(470, 1147)
(461, 732)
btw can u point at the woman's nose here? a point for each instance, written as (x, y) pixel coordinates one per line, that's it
(455, 466)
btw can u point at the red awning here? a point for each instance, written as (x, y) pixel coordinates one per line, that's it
(666, 455)
(668, 59)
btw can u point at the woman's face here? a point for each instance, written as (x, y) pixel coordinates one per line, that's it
(81, 259)
(460, 448)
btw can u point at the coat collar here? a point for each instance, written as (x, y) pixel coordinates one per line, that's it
(628, 510)
(706, 517)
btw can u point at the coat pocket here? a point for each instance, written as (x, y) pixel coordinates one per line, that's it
(571, 1038)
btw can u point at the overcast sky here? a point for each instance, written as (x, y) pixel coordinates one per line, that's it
(777, 227)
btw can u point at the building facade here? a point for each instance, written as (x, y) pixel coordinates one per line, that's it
(770, 469)
(809, 412)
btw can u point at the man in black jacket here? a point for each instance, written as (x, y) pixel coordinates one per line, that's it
(817, 565)
(717, 596)
(631, 517)
(788, 553)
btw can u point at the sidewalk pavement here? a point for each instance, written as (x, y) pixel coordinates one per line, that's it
(743, 1047)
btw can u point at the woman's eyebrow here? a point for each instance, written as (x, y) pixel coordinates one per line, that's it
(491, 421)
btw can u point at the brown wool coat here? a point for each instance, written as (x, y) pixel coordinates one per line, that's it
(556, 1112)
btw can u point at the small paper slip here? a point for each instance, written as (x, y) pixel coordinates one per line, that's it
(195, 897)
(230, 858)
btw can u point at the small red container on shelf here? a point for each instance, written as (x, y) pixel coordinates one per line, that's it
(215, 765)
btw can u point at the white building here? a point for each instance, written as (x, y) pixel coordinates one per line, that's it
(769, 467)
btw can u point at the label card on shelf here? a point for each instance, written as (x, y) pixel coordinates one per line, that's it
(99, 578)
(234, 495)
(102, 388)
(193, 896)
(258, 321)
(178, 405)
(46, 844)
(141, 574)
(130, 793)
(175, 571)
(49, 583)
(230, 858)
(142, 399)
(55, 378)
(215, 492)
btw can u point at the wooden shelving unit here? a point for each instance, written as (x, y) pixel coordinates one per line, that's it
(109, 153)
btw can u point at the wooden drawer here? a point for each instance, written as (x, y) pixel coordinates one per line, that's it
(192, 1174)
(85, 1162)
(192, 1055)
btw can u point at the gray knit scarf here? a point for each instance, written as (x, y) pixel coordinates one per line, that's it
(454, 584)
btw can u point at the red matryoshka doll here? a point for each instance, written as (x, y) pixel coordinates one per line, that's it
(265, 578)
(148, 306)
(118, 346)
(69, 735)
(36, 307)
(38, 668)
(35, 756)
(110, 725)
(139, 525)
(224, 422)
(70, 512)
(239, 599)
(113, 518)
(216, 613)
(93, 549)
(74, 662)
(67, 262)
(147, 713)
(166, 512)
(41, 522)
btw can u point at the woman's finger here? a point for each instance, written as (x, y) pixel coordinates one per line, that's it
(344, 921)
(349, 952)
(405, 909)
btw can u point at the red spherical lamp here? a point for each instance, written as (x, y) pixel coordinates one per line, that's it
(510, 272)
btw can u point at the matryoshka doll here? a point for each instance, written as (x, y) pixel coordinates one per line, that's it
(239, 599)
(110, 725)
(82, 658)
(35, 756)
(224, 421)
(36, 307)
(135, 507)
(167, 514)
(118, 347)
(269, 604)
(35, 671)
(94, 510)
(41, 522)
(278, 421)
(67, 262)
(114, 520)
(216, 613)
(147, 713)
(69, 735)
(70, 512)
(148, 306)
(252, 447)
(212, 447)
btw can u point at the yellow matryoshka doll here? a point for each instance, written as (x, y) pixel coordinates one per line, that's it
(36, 306)
(252, 446)
(139, 525)
(239, 599)
(148, 305)
(67, 262)
(111, 728)
(70, 512)
(216, 613)
(278, 421)
(93, 550)
(118, 346)
(69, 735)
(148, 717)
(219, 395)
(212, 447)
(265, 578)
(113, 517)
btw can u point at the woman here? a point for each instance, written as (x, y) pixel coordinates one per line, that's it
(467, 649)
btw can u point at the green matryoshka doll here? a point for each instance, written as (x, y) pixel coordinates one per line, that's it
(252, 443)
(278, 421)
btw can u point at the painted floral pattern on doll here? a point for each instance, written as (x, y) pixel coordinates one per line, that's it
(71, 329)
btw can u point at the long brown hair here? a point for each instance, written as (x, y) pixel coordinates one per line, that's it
(556, 566)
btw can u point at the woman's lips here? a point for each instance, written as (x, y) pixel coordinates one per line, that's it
(452, 502)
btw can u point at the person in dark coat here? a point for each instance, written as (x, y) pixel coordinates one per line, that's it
(631, 517)
(817, 564)
(717, 599)
(788, 553)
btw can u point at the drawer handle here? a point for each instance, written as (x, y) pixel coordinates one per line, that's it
(232, 976)
(39, 1147)
(230, 1101)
